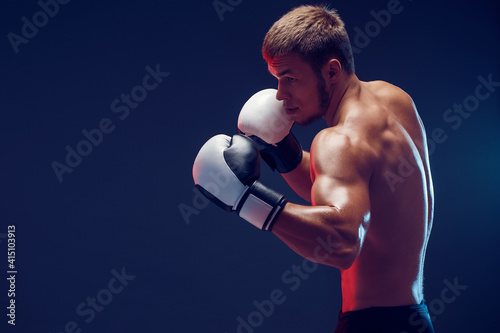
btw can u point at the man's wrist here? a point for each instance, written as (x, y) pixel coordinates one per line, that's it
(261, 206)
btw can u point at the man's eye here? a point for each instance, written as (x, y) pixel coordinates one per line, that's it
(291, 79)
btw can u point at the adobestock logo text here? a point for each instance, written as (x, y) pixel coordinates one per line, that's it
(30, 28)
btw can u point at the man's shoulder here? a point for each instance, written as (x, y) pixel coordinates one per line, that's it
(388, 92)
(340, 143)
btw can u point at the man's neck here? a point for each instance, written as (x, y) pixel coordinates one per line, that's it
(347, 85)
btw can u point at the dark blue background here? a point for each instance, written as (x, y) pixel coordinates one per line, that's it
(120, 207)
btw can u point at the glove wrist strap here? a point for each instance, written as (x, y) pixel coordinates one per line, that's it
(261, 206)
(284, 156)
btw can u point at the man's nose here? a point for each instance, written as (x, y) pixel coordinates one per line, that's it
(281, 94)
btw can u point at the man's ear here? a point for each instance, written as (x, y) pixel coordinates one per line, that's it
(334, 69)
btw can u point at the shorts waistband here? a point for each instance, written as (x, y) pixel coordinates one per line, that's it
(389, 310)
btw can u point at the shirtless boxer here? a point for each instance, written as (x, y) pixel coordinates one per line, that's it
(374, 212)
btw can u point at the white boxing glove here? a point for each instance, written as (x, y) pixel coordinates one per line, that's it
(263, 119)
(226, 170)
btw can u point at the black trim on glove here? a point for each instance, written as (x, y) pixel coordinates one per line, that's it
(284, 156)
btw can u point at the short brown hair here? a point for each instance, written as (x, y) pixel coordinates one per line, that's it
(316, 33)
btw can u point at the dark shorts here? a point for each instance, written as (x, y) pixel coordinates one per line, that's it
(393, 319)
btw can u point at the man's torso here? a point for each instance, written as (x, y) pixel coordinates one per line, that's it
(382, 121)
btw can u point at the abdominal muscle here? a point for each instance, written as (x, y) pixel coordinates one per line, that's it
(389, 268)
(382, 279)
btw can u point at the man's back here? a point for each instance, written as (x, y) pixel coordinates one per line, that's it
(382, 120)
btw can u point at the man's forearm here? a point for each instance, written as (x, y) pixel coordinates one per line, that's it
(318, 233)
(300, 178)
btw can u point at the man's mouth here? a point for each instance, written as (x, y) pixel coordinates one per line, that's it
(291, 111)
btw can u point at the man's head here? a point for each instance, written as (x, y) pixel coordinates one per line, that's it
(308, 40)
(316, 33)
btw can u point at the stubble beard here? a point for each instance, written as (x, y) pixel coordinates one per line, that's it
(324, 103)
